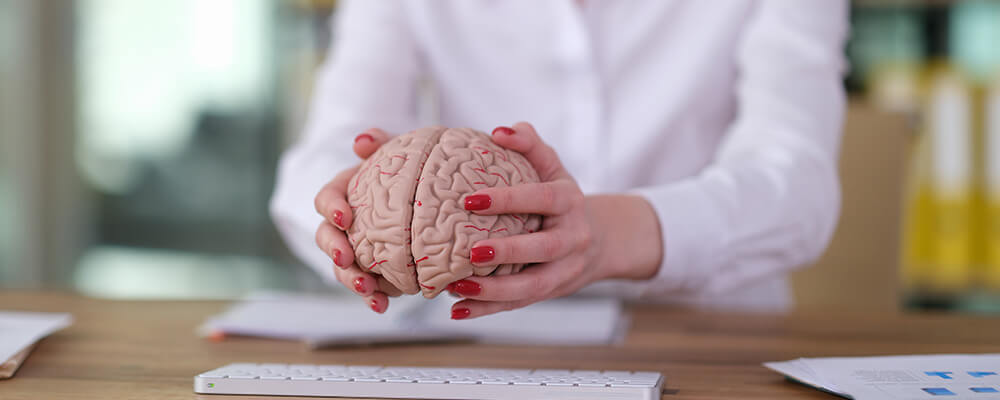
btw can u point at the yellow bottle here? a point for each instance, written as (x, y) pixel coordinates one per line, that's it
(918, 220)
(991, 113)
(948, 128)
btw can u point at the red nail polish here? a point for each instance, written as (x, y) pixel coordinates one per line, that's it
(374, 305)
(466, 288)
(460, 313)
(338, 219)
(364, 136)
(478, 202)
(359, 285)
(481, 254)
(336, 259)
(504, 130)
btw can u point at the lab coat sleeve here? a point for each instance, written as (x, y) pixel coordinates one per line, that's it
(770, 199)
(366, 81)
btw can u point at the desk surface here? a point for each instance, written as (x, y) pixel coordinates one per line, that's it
(147, 349)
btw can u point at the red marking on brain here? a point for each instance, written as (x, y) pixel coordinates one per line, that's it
(413, 189)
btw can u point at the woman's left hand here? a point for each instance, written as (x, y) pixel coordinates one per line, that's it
(571, 249)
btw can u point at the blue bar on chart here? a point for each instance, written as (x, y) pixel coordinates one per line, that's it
(939, 391)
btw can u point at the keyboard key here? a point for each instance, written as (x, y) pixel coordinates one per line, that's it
(364, 368)
(640, 381)
(551, 372)
(630, 385)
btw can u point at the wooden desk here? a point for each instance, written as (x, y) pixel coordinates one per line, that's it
(148, 349)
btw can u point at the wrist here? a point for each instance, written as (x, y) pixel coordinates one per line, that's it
(629, 243)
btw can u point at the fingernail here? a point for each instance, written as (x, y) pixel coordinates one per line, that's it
(364, 136)
(504, 130)
(217, 336)
(338, 219)
(465, 288)
(481, 254)
(374, 305)
(359, 285)
(460, 313)
(478, 202)
(336, 259)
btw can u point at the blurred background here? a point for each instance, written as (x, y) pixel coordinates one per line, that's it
(139, 140)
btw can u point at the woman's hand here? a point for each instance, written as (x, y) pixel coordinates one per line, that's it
(582, 240)
(331, 236)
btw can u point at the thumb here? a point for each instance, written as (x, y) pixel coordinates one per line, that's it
(368, 141)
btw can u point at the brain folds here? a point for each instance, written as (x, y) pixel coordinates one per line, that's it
(410, 225)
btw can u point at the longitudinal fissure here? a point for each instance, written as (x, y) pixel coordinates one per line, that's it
(425, 155)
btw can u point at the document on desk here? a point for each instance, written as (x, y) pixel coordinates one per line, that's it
(326, 320)
(19, 331)
(951, 376)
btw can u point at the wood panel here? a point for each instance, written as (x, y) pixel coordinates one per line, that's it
(859, 270)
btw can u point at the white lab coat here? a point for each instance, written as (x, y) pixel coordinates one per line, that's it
(725, 115)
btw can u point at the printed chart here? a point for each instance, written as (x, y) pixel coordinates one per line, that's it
(951, 376)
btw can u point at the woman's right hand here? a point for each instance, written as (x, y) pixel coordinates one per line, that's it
(331, 236)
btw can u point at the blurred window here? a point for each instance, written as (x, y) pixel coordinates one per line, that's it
(181, 110)
(6, 141)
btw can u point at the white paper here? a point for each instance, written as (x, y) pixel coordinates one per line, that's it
(582, 321)
(322, 320)
(800, 371)
(912, 377)
(19, 330)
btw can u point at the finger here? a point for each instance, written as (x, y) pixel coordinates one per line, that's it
(546, 198)
(334, 243)
(368, 141)
(544, 246)
(388, 288)
(358, 281)
(468, 309)
(331, 201)
(378, 302)
(535, 283)
(523, 138)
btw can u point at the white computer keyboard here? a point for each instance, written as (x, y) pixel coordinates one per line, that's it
(427, 383)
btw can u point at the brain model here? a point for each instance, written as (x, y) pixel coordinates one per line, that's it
(410, 224)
